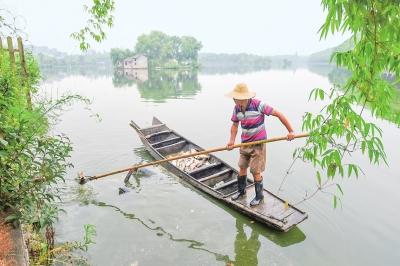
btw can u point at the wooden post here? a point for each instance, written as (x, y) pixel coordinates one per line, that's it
(11, 52)
(24, 70)
(1, 47)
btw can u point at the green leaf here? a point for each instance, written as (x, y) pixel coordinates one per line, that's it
(370, 154)
(11, 218)
(349, 170)
(339, 188)
(348, 137)
(363, 146)
(3, 142)
(319, 178)
(334, 201)
(356, 170)
(366, 129)
(321, 94)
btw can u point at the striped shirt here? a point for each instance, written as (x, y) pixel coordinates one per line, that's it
(252, 120)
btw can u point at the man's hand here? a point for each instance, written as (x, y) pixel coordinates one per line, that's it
(230, 145)
(290, 135)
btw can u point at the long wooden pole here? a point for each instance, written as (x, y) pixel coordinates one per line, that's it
(135, 167)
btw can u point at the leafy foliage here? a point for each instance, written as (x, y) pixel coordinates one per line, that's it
(44, 253)
(118, 55)
(163, 49)
(32, 162)
(340, 128)
(100, 14)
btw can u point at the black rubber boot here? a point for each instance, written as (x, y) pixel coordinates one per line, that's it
(258, 185)
(241, 181)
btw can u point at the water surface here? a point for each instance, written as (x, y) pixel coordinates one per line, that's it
(164, 221)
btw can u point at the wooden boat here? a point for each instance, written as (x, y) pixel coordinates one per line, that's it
(160, 141)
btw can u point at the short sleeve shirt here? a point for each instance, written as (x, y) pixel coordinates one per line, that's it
(252, 120)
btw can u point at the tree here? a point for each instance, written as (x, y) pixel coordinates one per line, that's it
(151, 45)
(340, 128)
(117, 54)
(100, 15)
(163, 49)
(190, 49)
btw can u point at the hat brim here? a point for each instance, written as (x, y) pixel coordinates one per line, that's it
(241, 96)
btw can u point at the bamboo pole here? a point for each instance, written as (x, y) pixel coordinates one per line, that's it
(135, 167)
(11, 52)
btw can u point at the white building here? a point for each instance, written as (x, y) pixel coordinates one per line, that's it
(135, 62)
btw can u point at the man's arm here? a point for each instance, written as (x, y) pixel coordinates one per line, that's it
(234, 130)
(285, 122)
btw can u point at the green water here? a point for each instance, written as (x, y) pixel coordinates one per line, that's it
(164, 221)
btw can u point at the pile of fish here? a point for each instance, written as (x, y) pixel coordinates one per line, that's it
(191, 163)
(219, 184)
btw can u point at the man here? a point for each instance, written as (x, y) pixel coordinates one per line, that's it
(250, 112)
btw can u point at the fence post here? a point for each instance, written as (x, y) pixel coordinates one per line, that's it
(11, 52)
(24, 70)
(1, 47)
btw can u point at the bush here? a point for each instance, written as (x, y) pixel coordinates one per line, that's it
(32, 162)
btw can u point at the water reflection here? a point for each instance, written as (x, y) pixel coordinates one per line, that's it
(123, 77)
(246, 249)
(334, 74)
(232, 69)
(150, 225)
(282, 239)
(246, 245)
(134, 181)
(55, 73)
(77, 193)
(294, 236)
(159, 85)
(163, 84)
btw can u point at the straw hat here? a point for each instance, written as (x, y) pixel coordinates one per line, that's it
(241, 92)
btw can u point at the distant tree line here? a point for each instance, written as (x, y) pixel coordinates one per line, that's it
(243, 60)
(162, 50)
(48, 57)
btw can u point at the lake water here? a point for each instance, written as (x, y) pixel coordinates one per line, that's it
(165, 221)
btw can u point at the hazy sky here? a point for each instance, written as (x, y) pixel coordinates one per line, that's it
(265, 27)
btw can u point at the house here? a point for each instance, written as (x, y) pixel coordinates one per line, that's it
(135, 62)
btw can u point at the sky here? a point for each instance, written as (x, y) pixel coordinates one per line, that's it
(264, 27)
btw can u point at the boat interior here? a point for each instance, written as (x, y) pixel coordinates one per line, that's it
(215, 174)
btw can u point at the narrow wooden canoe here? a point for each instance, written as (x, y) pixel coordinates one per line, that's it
(160, 141)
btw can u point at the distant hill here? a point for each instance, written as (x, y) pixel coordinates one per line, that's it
(243, 59)
(324, 56)
(50, 57)
(243, 62)
(44, 50)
